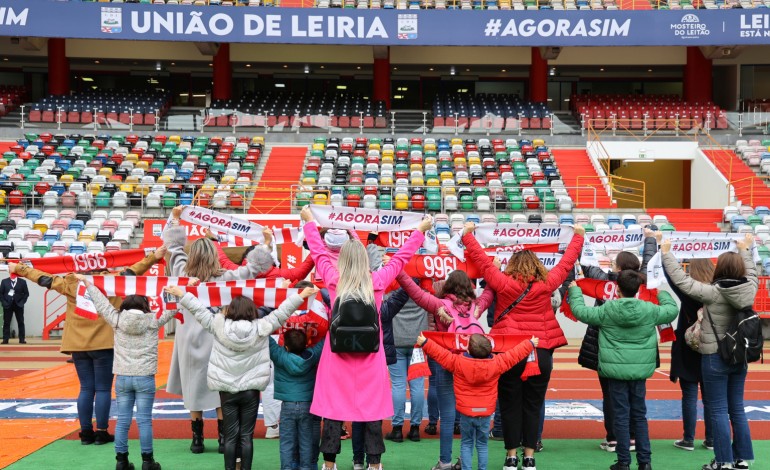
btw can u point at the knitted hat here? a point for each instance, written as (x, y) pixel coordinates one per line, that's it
(335, 238)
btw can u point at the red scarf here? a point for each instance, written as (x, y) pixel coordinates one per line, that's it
(608, 290)
(85, 262)
(500, 343)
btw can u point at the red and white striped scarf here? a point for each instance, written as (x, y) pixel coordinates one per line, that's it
(85, 262)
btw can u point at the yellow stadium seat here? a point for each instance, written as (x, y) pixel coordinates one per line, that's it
(177, 139)
(105, 171)
(386, 181)
(474, 161)
(318, 146)
(66, 179)
(434, 182)
(374, 146)
(132, 157)
(431, 161)
(402, 202)
(538, 142)
(320, 199)
(429, 147)
(127, 188)
(418, 181)
(258, 140)
(415, 167)
(447, 175)
(164, 179)
(456, 141)
(308, 180)
(386, 158)
(460, 161)
(95, 188)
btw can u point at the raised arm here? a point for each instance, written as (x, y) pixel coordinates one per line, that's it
(319, 254)
(202, 314)
(751, 267)
(491, 273)
(386, 274)
(649, 249)
(425, 300)
(446, 359)
(594, 272)
(175, 238)
(143, 265)
(666, 310)
(587, 315)
(704, 293)
(559, 273)
(300, 272)
(65, 285)
(511, 357)
(103, 306)
(224, 260)
(486, 298)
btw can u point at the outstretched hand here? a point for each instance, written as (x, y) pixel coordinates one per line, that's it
(176, 291)
(421, 340)
(665, 247)
(469, 227)
(425, 224)
(305, 214)
(308, 291)
(579, 230)
(746, 242)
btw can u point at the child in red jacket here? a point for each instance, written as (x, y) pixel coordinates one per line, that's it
(475, 382)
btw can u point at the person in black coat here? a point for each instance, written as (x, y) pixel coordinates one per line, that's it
(686, 363)
(13, 295)
(588, 356)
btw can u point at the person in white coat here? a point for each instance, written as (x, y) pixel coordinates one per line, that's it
(192, 344)
(239, 365)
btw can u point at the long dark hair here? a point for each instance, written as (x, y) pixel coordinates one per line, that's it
(241, 308)
(458, 284)
(136, 302)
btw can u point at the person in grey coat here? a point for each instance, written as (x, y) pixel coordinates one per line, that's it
(239, 364)
(734, 287)
(192, 344)
(135, 365)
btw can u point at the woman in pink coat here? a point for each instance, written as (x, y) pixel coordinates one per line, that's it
(337, 398)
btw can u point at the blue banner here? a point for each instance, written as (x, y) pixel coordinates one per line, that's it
(48, 18)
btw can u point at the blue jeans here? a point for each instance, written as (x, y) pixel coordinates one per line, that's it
(497, 422)
(724, 395)
(446, 405)
(398, 373)
(630, 407)
(296, 432)
(94, 369)
(690, 410)
(432, 400)
(475, 432)
(130, 390)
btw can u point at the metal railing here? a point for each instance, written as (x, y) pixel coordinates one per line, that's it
(745, 192)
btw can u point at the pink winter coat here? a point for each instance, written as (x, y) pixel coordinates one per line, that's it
(354, 387)
(431, 303)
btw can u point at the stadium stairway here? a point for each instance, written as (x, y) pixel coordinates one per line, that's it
(749, 189)
(283, 169)
(573, 163)
(692, 220)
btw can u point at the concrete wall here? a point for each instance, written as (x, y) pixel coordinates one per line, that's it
(708, 186)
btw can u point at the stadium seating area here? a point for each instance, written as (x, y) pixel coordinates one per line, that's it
(118, 172)
(281, 109)
(474, 4)
(11, 97)
(756, 153)
(434, 174)
(139, 107)
(630, 110)
(506, 112)
(756, 220)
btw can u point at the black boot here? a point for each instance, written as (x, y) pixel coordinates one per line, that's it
(396, 434)
(87, 437)
(149, 463)
(103, 437)
(221, 438)
(414, 433)
(122, 461)
(197, 441)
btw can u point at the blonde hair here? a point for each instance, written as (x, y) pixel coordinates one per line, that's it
(203, 260)
(355, 280)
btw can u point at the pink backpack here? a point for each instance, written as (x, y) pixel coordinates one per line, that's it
(464, 323)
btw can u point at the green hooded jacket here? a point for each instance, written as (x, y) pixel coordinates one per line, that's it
(628, 341)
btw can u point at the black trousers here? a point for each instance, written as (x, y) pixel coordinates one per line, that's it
(8, 314)
(374, 444)
(521, 400)
(239, 412)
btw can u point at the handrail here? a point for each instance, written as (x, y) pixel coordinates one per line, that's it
(732, 185)
(58, 315)
(628, 192)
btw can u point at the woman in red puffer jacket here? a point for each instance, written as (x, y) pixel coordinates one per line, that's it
(520, 400)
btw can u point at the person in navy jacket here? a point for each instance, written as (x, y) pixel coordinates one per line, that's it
(13, 295)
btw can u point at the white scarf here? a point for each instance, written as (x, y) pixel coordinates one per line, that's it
(609, 239)
(522, 234)
(368, 220)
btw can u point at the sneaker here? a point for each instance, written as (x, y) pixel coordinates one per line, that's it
(273, 432)
(632, 446)
(358, 466)
(511, 463)
(495, 437)
(458, 465)
(609, 446)
(457, 430)
(713, 465)
(442, 466)
(528, 463)
(645, 466)
(741, 465)
(344, 434)
(619, 466)
(324, 467)
(708, 444)
(686, 445)
(539, 446)
(431, 430)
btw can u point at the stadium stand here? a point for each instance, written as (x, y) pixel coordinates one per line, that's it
(507, 112)
(139, 107)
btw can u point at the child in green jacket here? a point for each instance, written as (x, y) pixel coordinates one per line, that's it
(628, 346)
(295, 371)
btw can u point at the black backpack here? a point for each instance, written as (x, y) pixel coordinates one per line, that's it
(355, 327)
(743, 341)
